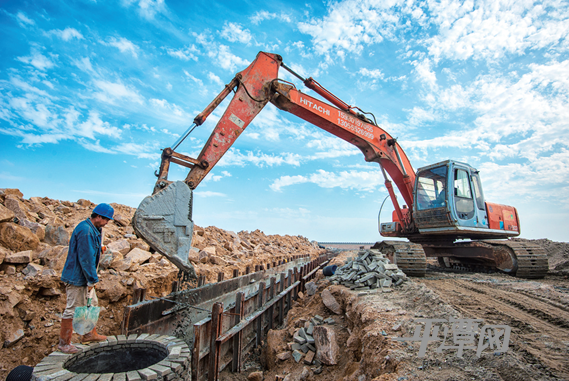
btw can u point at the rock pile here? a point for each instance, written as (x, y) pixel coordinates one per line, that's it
(34, 238)
(369, 270)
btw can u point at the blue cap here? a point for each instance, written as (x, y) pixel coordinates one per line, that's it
(104, 210)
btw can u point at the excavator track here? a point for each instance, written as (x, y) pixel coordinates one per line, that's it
(531, 259)
(409, 257)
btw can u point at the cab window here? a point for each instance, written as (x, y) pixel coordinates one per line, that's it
(463, 195)
(431, 189)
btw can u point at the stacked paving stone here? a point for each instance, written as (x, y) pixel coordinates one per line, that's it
(175, 366)
(304, 341)
(370, 270)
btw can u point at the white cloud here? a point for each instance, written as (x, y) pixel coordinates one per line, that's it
(234, 32)
(123, 45)
(491, 29)
(261, 16)
(141, 151)
(235, 157)
(186, 53)
(171, 107)
(215, 79)
(95, 126)
(148, 8)
(66, 34)
(227, 60)
(349, 26)
(374, 73)
(24, 20)
(94, 146)
(209, 194)
(356, 180)
(37, 60)
(111, 91)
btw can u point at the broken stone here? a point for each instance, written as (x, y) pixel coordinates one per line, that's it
(122, 246)
(121, 220)
(138, 256)
(309, 358)
(6, 215)
(13, 338)
(32, 270)
(330, 302)
(326, 346)
(396, 327)
(283, 356)
(17, 238)
(311, 288)
(48, 272)
(297, 355)
(21, 257)
(330, 321)
(56, 235)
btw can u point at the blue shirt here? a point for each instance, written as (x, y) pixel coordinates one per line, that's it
(83, 256)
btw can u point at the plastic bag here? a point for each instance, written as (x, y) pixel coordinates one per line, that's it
(85, 318)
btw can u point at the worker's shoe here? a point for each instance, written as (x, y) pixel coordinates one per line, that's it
(92, 337)
(65, 345)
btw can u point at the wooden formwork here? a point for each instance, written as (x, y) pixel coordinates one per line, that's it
(233, 332)
(231, 316)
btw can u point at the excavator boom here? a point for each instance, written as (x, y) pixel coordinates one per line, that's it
(164, 219)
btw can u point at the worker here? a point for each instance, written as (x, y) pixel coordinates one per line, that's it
(80, 273)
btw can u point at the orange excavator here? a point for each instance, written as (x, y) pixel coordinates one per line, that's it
(445, 216)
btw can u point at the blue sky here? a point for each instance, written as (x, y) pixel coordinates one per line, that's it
(90, 91)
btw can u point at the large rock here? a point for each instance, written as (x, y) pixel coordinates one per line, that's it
(326, 345)
(6, 215)
(122, 246)
(138, 256)
(13, 203)
(111, 289)
(8, 299)
(3, 253)
(121, 220)
(54, 257)
(12, 191)
(17, 238)
(21, 257)
(330, 302)
(56, 235)
(138, 243)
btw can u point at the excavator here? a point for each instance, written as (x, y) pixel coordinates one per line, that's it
(445, 214)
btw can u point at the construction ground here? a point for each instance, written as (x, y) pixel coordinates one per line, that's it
(365, 324)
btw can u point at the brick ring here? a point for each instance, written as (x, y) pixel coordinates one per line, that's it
(136, 358)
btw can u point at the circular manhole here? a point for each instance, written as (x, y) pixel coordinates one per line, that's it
(138, 357)
(117, 359)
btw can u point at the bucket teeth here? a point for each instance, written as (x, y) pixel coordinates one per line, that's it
(163, 220)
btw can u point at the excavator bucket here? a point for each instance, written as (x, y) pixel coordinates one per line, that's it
(163, 220)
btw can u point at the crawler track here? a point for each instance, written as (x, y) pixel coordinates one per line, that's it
(539, 322)
(408, 256)
(531, 258)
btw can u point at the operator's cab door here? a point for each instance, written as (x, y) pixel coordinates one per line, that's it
(467, 199)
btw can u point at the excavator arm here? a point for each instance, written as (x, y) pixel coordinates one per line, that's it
(164, 219)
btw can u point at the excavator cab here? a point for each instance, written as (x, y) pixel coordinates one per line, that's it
(448, 200)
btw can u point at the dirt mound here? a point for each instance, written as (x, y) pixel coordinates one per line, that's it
(34, 234)
(557, 253)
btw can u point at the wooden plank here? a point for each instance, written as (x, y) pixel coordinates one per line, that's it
(239, 312)
(260, 296)
(213, 369)
(281, 302)
(249, 319)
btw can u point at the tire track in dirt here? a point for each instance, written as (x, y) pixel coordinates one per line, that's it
(540, 329)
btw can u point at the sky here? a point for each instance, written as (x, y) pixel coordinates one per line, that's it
(91, 91)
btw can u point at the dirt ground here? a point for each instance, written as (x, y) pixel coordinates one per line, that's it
(537, 311)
